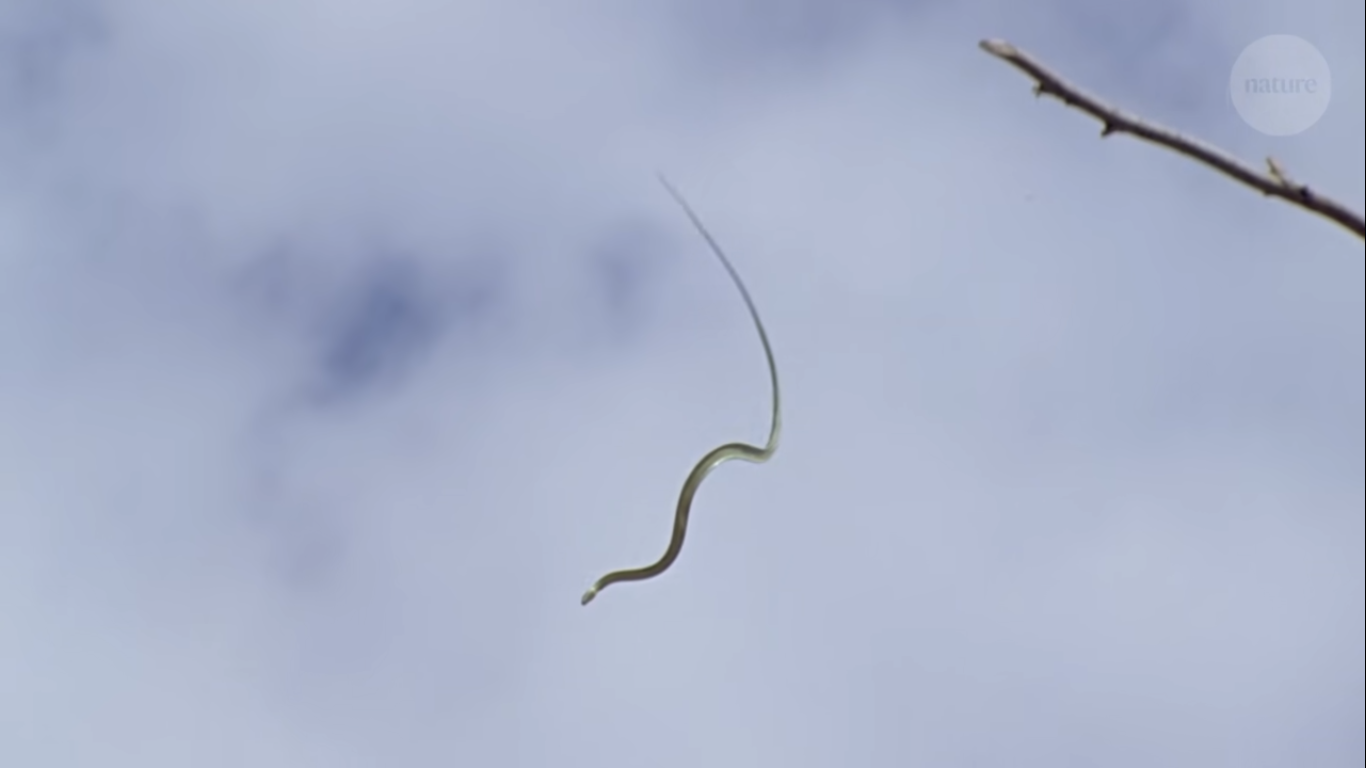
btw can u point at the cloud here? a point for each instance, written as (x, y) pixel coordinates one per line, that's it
(345, 344)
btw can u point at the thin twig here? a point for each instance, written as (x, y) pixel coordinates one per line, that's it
(1274, 182)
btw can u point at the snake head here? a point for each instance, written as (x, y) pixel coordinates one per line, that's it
(588, 596)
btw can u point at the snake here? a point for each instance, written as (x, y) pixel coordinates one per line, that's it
(717, 456)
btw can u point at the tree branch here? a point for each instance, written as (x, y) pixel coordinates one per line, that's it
(1273, 182)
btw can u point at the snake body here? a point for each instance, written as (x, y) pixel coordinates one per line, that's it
(717, 456)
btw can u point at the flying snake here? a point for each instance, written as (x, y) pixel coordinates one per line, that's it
(717, 456)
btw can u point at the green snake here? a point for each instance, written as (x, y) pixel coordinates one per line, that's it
(717, 456)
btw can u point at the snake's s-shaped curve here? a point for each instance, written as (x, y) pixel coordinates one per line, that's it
(716, 457)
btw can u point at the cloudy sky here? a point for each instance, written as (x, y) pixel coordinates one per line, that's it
(343, 344)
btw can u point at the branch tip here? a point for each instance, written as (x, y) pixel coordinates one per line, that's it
(1274, 182)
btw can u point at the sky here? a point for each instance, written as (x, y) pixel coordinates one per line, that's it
(344, 344)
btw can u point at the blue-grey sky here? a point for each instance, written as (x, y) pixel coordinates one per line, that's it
(343, 344)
